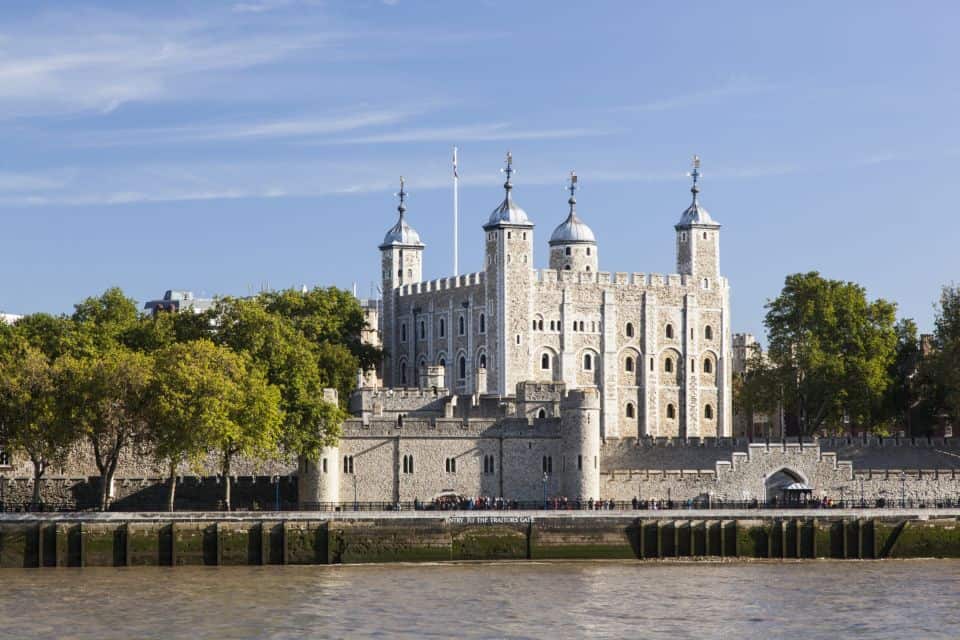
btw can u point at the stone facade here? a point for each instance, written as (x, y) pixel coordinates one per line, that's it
(656, 347)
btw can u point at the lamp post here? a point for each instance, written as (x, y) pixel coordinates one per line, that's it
(862, 501)
(355, 506)
(903, 490)
(276, 492)
(545, 478)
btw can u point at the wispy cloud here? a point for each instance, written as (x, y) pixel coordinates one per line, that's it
(734, 87)
(490, 132)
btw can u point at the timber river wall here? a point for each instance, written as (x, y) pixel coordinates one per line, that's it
(78, 540)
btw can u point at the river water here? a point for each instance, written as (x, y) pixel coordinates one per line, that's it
(889, 599)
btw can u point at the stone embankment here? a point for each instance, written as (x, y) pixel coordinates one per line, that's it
(84, 539)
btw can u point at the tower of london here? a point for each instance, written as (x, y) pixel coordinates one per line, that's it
(501, 381)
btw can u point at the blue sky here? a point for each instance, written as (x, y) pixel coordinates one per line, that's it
(222, 147)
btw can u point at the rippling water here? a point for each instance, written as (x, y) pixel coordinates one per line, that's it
(910, 599)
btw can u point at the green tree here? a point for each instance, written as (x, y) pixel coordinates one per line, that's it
(758, 390)
(29, 409)
(53, 335)
(944, 363)
(291, 363)
(831, 349)
(105, 321)
(105, 395)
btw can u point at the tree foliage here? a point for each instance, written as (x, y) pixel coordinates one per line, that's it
(830, 349)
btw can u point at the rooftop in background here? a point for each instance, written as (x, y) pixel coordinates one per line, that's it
(178, 300)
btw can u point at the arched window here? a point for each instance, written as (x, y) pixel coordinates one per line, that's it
(669, 332)
(587, 362)
(462, 368)
(671, 412)
(542, 414)
(629, 329)
(708, 412)
(545, 361)
(568, 251)
(628, 364)
(463, 325)
(483, 361)
(534, 324)
(540, 325)
(403, 332)
(442, 361)
(403, 373)
(708, 332)
(668, 365)
(443, 328)
(588, 250)
(483, 323)
(630, 410)
(423, 330)
(567, 268)
(707, 365)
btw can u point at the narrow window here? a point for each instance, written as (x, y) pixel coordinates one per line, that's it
(403, 332)
(568, 251)
(534, 325)
(669, 332)
(518, 338)
(453, 465)
(628, 364)
(708, 412)
(704, 235)
(587, 362)
(580, 463)
(542, 414)
(443, 328)
(463, 325)
(629, 409)
(651, 363)
(442, 362)
(668, 365)
(707, 366)
(671, 412)
(629, 329)
(583, 325)
(545, 361)
(509, 235)
(411, 464)
(588, 250)
(483, 323)
(400, 421)
(462, 368)
(708, 332)
(423, 330)
(324, 465)
(540, 325)
(483, 361)
(403, 373)
(693, 366)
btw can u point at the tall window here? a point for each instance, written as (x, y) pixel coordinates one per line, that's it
(542, 413)
(462, 368)
(451, 465)
(568, 251)
(708, 332)
(587, 362)
(668, 365)
(408, 464)
(545, 361)
(669, 332)
(483, 361)
(483, 323)
(580, 463)
(443, 327)
(707, 366)
(630, 410)
(403, 332)
(423, 330)
(547, 464)
(629, 329)
(463, 326)
(671, 412)
(403, 373)
(708, 412)
(628, 364)
(348, 464)
(488, 464)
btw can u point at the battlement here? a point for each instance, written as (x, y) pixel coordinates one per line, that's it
(440, 427)
(442, 284)
(619, 278)
(583, 398)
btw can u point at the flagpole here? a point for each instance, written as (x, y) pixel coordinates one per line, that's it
(456, 216)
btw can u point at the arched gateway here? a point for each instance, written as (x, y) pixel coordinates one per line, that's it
(786, 486)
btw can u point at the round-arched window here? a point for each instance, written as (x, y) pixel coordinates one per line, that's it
(630, 410)
(628, 364)
(708, 412)
(629, 329)
(671, 412)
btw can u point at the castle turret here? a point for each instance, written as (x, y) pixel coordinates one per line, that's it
(580, 433)
(318, 480)
(401, 257)
(573, 246)
(509, 269)
(698, 238)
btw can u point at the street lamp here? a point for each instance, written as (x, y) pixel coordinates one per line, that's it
(862, 501)
(545, 479)
(355, 506)
(903, 490)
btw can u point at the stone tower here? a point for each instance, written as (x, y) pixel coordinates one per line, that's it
(509, 268)
(573, 246)
(698, 238)
(580, 433)
(401, 259)
(318, 481)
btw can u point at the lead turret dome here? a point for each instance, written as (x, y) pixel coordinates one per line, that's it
(573, 229)
(401, 233)
(509, 212)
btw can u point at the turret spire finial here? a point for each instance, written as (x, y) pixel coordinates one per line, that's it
(403, 197)
(573, 190)
(508, 170)
(695, 174)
